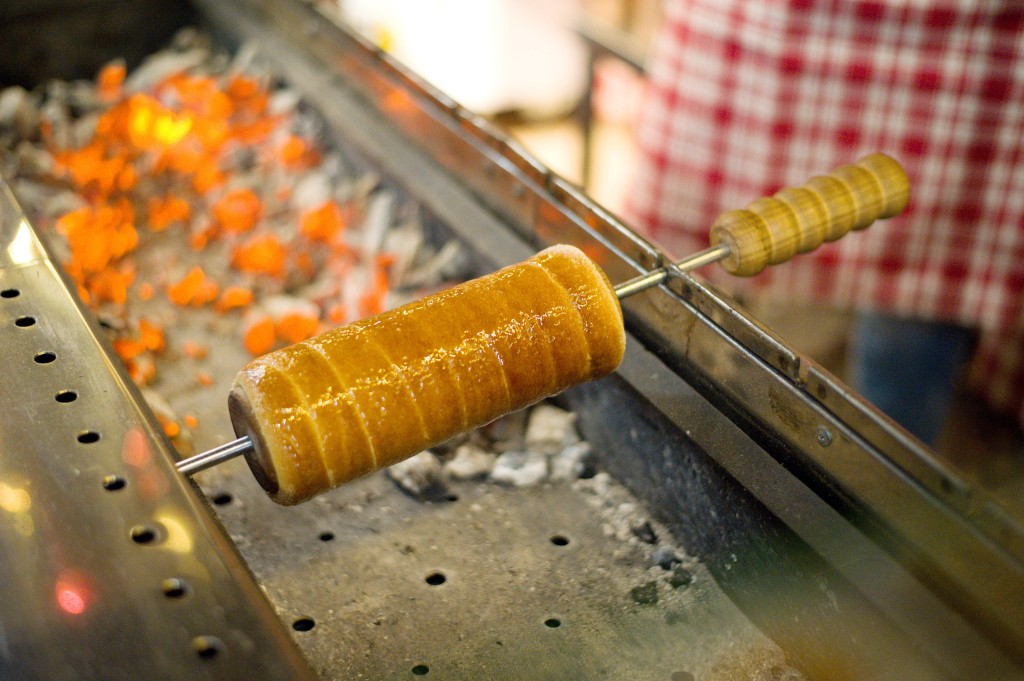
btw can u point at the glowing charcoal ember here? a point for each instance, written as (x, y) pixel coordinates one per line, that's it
(111, 285)
(260, 336)
(151, 336)
(110, 80)
(374, 298)
(295, 327)
(164, 211)
(264, 254)
(193, 289)
(295, 152)
(238, 210)
(234, 297)
(323, 223)
(183, 196)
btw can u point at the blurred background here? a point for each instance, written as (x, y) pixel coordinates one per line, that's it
(566, 78)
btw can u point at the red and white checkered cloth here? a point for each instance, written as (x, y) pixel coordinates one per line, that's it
(747, 96)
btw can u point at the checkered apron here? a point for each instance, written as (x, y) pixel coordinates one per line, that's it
(747, 96)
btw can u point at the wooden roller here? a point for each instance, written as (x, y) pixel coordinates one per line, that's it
(325, 411)
(772, 230)
(367, 395)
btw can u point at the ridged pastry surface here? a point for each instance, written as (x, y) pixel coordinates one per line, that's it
(374, 392)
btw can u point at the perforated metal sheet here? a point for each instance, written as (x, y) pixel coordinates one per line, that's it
(109, 562)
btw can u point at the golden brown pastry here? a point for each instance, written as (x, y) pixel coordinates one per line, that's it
(367, 395)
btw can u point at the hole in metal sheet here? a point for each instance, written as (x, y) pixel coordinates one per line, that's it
(65, 396)
(552, 623)
(436, 579)
(222, 499)
(10, 293)
(87, 437)
(326, 536)
(207, 647)
(421, 670)
(24, 321)
(142, 534)
(174, 587)
(682, 676)
(560, 540)
(112, 483)
(303, 624)
(44, 357)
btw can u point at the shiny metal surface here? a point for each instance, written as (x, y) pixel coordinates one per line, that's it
(111, 567)
(484, 187)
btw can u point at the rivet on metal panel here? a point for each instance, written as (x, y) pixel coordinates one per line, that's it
(824, 436)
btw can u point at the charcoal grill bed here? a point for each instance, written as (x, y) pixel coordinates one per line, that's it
(817, 526)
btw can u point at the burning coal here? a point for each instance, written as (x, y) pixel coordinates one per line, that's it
(199, 182)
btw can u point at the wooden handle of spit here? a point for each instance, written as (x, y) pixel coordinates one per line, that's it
(771, 230)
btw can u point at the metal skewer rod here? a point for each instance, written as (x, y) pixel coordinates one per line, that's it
(243, 445)
(212, 457)
(655, 277)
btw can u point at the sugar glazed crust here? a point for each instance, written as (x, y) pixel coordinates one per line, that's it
(374, 392)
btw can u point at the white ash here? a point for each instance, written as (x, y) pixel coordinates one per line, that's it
(379, 217)
(54, 113)
(18, 111)
(245, 58)
(570, 463)
(284, 101)
(278, 306)
(159, 404)
(520, 469)
(470, 462)
(420, 475)
(33, 161)
(508, 432)
(550, 429)
(446, 264)
(406, 242)
(162, 65)
(621, 514)
(665, 557)
(312, 190)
